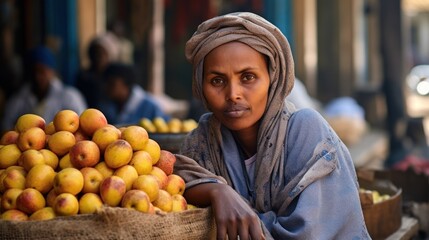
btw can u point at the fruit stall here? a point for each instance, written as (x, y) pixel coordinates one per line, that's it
(79, 177)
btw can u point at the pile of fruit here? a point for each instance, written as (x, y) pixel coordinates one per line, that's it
(174, 125)
(77, 164)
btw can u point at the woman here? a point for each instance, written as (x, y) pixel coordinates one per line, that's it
(254, 158)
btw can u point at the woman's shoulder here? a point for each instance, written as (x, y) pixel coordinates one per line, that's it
(308, 138)
(307, 118)
(306, 115)
(308, 125)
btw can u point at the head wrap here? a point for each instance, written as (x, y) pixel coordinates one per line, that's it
(206, 144)
(256, 32)
(42, 55)
(111, 44)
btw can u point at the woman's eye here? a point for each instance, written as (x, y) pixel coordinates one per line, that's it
(217, 81)
(248, 77)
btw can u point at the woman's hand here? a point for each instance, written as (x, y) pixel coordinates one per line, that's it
(234, 217)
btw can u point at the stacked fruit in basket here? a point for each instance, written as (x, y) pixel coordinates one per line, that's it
(78, 164)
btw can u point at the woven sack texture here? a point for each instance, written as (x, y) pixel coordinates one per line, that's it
(114, 224)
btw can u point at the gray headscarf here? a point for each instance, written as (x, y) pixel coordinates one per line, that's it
(205, 143)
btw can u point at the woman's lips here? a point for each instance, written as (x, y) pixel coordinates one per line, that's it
(235, 111)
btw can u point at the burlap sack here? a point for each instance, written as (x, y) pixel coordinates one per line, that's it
(116, 223)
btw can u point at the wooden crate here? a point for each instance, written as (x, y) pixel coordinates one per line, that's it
(383, 218)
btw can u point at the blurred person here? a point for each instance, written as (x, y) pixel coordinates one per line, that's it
(127, 102)
(44, 94)
(90, 80)
(126, 48)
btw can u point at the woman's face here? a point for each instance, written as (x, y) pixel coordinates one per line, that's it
(235, 85)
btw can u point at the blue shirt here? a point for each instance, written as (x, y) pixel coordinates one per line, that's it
(316, 178)
(140, 104)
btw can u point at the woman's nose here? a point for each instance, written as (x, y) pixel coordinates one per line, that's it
(234, 91)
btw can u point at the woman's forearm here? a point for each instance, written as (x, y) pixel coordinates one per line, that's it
(202, 194)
